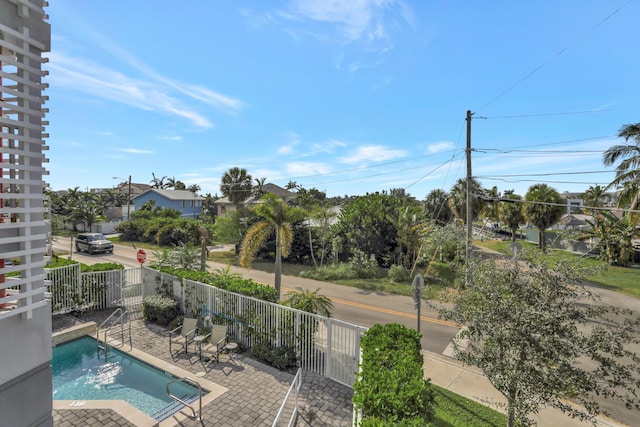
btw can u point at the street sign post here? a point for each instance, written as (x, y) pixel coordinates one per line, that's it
(416, 292)
(141, 255)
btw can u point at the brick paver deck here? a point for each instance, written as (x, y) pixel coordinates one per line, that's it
(255, 390)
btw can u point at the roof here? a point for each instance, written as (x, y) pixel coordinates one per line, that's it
(173, 194)
(266, 188)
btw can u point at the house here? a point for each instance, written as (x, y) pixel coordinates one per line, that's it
(188, 203)
(25, 314)
(224, 205)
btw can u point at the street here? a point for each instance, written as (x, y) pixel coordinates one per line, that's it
(353, 305)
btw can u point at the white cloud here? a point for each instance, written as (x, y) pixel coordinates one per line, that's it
(375, 153)
(439, 147)
(285, 149)
(135, 151)
(171, 138)
(327, 147)
(306, 168)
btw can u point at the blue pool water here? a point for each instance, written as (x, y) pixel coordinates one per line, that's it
(80, 372)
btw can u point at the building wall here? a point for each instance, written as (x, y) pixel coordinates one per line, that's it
(25, 318)
(184, 206)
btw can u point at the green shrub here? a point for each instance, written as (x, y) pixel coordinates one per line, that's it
(399, 274)
(103, 266)
(160, 310)
(365, 266)
(330, 272)
(390, 385)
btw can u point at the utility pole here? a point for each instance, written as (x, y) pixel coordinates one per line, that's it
(469, 216)
(129, 200)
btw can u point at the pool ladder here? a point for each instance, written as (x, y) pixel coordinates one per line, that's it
(196, 415)
(117, 318)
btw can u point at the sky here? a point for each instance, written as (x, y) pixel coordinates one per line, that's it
(348, 97)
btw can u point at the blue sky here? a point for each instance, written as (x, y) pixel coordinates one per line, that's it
(348, 97)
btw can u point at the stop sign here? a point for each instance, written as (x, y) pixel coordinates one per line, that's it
(142, 255)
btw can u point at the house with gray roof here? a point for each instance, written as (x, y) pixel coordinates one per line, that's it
(224, 205)
(188, 203)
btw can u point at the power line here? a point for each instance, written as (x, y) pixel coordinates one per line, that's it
(549, 60)
(519, 116)
(533, 202)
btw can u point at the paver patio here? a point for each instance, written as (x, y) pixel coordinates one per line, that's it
(255, 390)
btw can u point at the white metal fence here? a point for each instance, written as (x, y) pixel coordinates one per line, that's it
(322, 345)
(71, 290)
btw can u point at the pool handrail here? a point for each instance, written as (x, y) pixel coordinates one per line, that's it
(196, 415)
(116, 322)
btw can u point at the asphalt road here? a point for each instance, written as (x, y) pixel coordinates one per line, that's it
(353, 305)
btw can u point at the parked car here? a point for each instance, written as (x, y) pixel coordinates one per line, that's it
(93, 243)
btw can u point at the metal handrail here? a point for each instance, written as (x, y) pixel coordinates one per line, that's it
(116, 322)
(194, 383)
(296, 384)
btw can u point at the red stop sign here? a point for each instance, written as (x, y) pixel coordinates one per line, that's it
(142, 255)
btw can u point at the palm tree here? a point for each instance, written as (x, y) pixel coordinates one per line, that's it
(511, 213)
(236, 185)
(277, 217)
(628, 170)
(458, 199)
(258, 190)
(593, 197)
(309, 301)
(436, 206)
(544, 211)
(159, 183)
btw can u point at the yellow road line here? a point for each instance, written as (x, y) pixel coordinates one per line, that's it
(388, 311)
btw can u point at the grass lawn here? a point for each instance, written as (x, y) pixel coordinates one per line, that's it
(453, 410)
(625, 280)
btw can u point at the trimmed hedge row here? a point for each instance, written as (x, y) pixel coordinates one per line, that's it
(390, 388)
(241, 286)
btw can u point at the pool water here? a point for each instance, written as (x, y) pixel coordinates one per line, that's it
(81, 372)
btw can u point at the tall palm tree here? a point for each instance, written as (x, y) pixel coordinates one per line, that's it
(511, 214)
(543, 212)
(628, 170)
(593, 197)
(159, 183)
(236, 185)
(277, 217)
(436, 206)
(258, 189)
(458, 199)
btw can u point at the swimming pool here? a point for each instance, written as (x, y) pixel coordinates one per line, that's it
(80, 372)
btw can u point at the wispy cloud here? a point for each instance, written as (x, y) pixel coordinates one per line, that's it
(135, 151)
(171, 138)
(327, 147)
(365, 24)
(151, 91)
(374, 153)
(355, 20)
(306, 168)
(440, 146)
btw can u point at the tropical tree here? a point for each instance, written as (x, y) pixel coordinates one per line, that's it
(159, 183)
(511, 214)
(236, 185)
(88, 209)
(614, 236)
(538, 348)
(458, 199)
(593, 197)
(277, 217)
(364, 226)
(628, 170)
(436, 207)
(309, 301)
(544, 209)
(258, 190)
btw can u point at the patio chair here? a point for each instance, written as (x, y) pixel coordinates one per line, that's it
(183, 335)
(215, 343)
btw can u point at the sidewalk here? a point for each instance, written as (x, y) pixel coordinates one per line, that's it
(471, 383)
